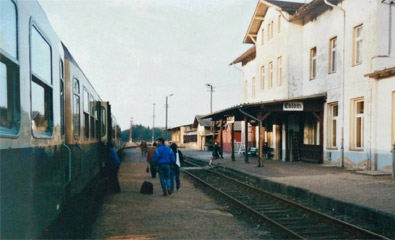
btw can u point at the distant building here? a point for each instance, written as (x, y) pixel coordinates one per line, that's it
(322, 80)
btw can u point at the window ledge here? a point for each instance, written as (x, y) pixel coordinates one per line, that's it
(41, 134)
(357, 149)
(332, 148)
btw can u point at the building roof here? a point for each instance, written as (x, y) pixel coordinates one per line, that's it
(254, 107)
(260, 12)
(200, 121)
(312, 10)
(246, 56)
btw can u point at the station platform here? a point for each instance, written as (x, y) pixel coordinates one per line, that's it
(372, 192)
(185, 214)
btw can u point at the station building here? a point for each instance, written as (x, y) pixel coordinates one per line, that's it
(321, 79)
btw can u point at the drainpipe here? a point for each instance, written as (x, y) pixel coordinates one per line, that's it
(343, 77)
(260, 135)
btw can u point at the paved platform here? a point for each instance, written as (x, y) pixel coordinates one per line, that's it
(186, 214)
(368, 191)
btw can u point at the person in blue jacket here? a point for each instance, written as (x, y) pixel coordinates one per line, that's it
(111, 169)
(164, 157)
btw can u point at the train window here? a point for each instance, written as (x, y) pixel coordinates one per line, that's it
(76, 109)
(41, 87)
(9, 71)
(92, 113)
(8, 28)
(103, 121)
(62, 101)
(41, 57)
(86, 113)
(97, 120)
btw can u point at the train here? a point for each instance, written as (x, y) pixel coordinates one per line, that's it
(54, 127)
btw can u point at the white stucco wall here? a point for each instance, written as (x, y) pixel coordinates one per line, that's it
(293, 44)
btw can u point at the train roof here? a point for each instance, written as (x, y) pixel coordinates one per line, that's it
(67, 55)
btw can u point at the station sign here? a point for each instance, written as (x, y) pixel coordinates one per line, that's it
(293, 106)
(230, 119)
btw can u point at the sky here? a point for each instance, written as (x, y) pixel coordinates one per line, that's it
(137, 52)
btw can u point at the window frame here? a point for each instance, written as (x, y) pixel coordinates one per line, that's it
(270, 80)
(331, 118)
(13, 62)
(62, 100)
(332, 55)
(48, 87)
(279, 24)
(76, 94)
(86, 129)
(263, 36)
(313, 63)
(356, 46)
(262, 82)
(353, 125)
(279, 73)
(393, 120)
(272, 30)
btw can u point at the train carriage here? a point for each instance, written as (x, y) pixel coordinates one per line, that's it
(54, 127)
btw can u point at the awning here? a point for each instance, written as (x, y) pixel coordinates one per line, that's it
(311, 103)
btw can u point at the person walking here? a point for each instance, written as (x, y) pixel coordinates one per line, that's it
(175, 168)
(150, 155)
(163, 157)
(215, 154)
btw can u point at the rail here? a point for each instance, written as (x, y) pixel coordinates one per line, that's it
(295, 219)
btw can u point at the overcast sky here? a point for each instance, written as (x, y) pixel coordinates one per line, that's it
(135, 52)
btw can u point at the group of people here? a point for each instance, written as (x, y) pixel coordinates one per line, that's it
(167, 162)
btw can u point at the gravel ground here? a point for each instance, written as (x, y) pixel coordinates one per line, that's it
(186, 214)
(376, 192)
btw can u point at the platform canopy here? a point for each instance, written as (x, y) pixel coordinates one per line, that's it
(312, 103)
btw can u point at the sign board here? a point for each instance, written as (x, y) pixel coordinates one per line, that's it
(230, 119)
(293, 106)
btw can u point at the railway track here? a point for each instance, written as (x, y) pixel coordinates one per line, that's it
(297, 221)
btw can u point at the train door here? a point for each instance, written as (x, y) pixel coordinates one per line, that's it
(105, 122)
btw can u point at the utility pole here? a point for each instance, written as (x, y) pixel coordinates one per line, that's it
(167, 107)
(130, 130)
(153, 125)
(211, 89)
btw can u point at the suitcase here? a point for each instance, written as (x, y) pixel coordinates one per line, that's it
(147, 188)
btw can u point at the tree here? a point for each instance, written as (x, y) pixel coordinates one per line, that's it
(141, 133)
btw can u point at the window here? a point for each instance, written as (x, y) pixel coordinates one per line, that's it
(332, 55)
(263, 36)
(279, 24)
(41, 87)
(92, 114)
(279, 71)
(62, 96)
(271, 30)
(268, 31)
(9, 71)
(86, 113)
(311, 131)
(393, 118)
(357, 45)
(332, 125)
(357, 124)
(253, 87)
(270, 82)
(76, 109)
(313, 62)
(262, 85)
(103, 122)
